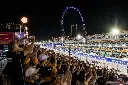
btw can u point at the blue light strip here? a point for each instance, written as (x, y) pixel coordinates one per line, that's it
(118, 61)
(115, 60)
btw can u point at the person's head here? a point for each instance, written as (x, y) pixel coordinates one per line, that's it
(27, 61)
(52, 60)
(39, 53)
(34, 56)
(33, 62)
(11, 46)
(43, 62)
(21, 46)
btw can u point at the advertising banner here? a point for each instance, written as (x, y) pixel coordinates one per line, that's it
(6, 37)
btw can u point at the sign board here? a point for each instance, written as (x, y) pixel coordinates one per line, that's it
(6, 37)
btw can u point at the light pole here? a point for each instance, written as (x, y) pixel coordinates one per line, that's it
(71, 30)
(76, 28)
(24, 20)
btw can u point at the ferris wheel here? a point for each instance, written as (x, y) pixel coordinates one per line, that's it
(84, 33)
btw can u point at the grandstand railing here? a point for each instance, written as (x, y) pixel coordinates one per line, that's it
(114, 83)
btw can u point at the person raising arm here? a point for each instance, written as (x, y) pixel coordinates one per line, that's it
(28, 49)
(89, 78)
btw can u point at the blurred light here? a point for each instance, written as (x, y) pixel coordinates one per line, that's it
(115, 31)
(26, 28)
(99, 45)
(5, 50)
(84, 40)
(41, 46)
(24, 19)
(110, 45)
(79, 36)
(26, 32)
(123, 45)
(62, 39)
(116, 45)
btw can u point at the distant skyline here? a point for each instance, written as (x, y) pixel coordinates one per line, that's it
(44, 17)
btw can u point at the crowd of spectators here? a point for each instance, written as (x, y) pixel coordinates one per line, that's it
(32, 65)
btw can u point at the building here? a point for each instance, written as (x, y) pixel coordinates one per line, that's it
(123, 35)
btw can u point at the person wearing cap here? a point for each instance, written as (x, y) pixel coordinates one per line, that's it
(31, 73)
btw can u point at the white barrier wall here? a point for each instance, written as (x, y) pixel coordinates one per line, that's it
(102, 63)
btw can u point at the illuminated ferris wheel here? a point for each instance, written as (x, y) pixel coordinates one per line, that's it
(84, 33)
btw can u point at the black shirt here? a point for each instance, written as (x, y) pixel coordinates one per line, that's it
(14, 67)
(74, 78)
(45, 71)
(81, 76)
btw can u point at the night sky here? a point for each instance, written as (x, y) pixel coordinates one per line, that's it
(44, 16)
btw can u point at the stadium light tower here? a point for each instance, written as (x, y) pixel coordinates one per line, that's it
(78, 36)
(115, 31)
(71, 30)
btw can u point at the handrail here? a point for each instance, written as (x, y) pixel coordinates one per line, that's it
(108, 82)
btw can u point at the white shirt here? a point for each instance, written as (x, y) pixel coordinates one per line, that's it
(43, 57)
(126, 82)
(29, 71)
